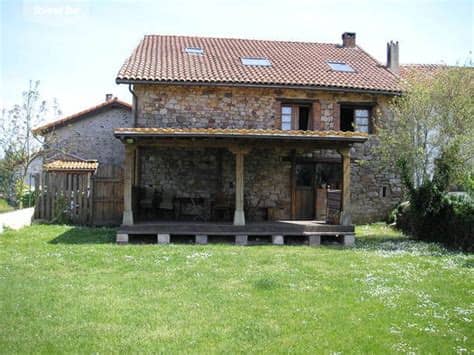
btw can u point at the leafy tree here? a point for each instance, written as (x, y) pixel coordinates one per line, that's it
(18, 146)
(432, 120)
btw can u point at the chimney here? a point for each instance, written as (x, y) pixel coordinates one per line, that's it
(108, 97)
(349, 39)
(393, 63)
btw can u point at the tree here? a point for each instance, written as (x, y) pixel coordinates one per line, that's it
(432, 120)
(18, 146)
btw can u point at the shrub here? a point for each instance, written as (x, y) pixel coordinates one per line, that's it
(434, 216)
(29, 199)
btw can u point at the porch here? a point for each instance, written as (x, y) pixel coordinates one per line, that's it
(286, 184)
(274, 232)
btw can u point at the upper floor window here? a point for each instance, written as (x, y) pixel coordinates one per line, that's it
(286, 117)
(355, 118)
(294, 116)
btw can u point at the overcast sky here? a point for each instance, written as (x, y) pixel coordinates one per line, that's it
(75, 48)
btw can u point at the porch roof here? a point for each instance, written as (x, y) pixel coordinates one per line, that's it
(71, 165)
(240, 133)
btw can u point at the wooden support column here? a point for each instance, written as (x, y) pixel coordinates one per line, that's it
(346, 217)
(293, 184)
(128, 176)
(239, 214)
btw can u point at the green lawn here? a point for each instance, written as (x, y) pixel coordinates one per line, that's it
(65, 289)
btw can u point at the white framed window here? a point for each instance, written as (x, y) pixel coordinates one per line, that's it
(286, 117)
(361, 117)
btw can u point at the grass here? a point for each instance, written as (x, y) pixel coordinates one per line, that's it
(4, 206)
(72, 290)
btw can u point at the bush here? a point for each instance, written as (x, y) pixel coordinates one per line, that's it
(29, 199)
(434, 216)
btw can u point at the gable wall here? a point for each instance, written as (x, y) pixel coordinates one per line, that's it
(92, 137)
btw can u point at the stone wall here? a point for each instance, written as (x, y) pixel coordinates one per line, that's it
(93, 137)
(375, 191)
(195, 173)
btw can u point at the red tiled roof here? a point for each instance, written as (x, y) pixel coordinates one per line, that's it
(239, 133)
(163, 59)
(408, 70)
(113, 103)
(71, 165)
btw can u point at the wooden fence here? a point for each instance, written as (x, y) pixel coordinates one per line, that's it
(84, 198)
(107, 200)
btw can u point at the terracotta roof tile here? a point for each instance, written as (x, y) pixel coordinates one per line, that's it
(84, 113)
(163, 59)
(237, 132)
(71, 165)
(410, 70)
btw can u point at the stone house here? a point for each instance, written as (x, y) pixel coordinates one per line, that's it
(267, 130)
(86, 135)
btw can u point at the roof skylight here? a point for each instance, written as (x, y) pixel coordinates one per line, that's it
(340, 66)
(258, 62)
(194, 50)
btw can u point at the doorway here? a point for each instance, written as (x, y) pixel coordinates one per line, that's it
(311, 183)
(304, 191)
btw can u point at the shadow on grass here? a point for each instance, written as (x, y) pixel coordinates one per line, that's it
(85, 235)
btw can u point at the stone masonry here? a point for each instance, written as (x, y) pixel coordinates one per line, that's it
(375, 191)
(93, 137)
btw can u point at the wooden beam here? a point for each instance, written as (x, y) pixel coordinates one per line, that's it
(346, 218)
(221, 143)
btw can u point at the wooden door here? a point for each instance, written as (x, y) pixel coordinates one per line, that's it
(304, 191)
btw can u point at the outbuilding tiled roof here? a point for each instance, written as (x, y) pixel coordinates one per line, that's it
(239, 133)
(112, 103)
(71, 165)
(409, 70)
(163, 59)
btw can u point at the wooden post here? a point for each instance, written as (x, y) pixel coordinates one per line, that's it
(346, 218)
(127, 184)
(239, 214)
(293, 184)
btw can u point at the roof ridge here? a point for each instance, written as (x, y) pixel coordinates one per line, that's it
(380, 64)
(50, 125)
(242, 39)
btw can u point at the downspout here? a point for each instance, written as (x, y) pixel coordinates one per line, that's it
(134, 105)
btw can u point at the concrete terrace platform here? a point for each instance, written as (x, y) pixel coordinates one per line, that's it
(252, 233)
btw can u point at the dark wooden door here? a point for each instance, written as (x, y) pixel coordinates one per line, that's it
(304, 191)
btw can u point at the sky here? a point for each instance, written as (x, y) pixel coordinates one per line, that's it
(75, 48)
